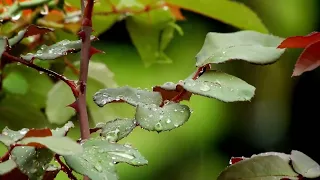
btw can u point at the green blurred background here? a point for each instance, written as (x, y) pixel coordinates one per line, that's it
(201, 148)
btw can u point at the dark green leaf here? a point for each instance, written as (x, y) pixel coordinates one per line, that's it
(168, 117)
(117, 129)
(221, 86)
(59, 145)
(230, 12)
(127, 94)
(60, 132)
(249, 46)
(271, 167)
(7, 166)
(304, 165)
(99, 156)
(15, 83)
(55, 51)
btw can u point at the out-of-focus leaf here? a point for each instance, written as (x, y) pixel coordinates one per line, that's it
(126, 94)
(7, 166)
(59, 145)
(250, 46)
(259, 167)
(168, 117)
(170, 90)
(230, 12)
(61, 48)
(300, 41)
(304, 165)
(221, 86)
(117, 129)
(150, 33)
(15, 83)
(99, 156)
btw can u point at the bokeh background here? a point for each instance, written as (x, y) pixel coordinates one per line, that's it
(281, 117)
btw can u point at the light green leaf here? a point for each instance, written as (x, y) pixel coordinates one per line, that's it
(127, 94)
(270, 167)
(59, 145)
(7, 166)
(31, 161)
(99, 157)
(151, 33)
(304, 165)
(15, 83)
(230, 12)
(14, 135)
(6, 140)
(60, 132)
(250, 46)
(221, 86)
(168, 117)
(117, 129)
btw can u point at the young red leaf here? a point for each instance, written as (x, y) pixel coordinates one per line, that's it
(176, 11)
(169, 93)
(14, 175)
(308, 60)
(234, 160)
(38, 133)
(300, 41)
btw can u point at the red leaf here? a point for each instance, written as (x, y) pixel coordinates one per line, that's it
(176, 11)
(14, 175)
(50, 174)
(38, 133)
(34, 30)
(308, 60)
(234, 160)
(170, 94)
(300, 41)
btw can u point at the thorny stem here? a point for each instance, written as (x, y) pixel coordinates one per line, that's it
(65, 168)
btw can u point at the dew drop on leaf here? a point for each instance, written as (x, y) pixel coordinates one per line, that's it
(158, 127)
(205, 87)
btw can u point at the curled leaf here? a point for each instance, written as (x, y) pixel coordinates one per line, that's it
(169, 90)
(300, 41)
(304, 165)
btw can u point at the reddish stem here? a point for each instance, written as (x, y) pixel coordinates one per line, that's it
(65, 168)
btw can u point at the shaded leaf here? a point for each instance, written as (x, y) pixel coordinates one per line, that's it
(221, 86)
(99, 157)
(224, 11)
(269, 167)
(15, 83)
(304, 165)
(300, 41)
(14, 174)
(59, 145)
(308, 60)
(117, 129)
(7, 166)
(126, 94)
(55, 51)
(251, 46)
(60, 132)
(170, 90)
(168, 117)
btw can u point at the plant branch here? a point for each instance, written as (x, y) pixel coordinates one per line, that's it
(65, 168)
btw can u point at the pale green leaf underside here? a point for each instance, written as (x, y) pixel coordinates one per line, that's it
(259, 168)
(220, 86)
(168, 117)
(7, 166)
(130, 95)
(304, 165)
(117, 129)
(250, 46)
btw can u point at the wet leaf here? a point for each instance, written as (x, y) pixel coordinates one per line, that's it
(168, 117)
(60, 132)
(31, 30)
(7, 166)
(117, 129)
(55, 51)
(304, 165)
(14, 135)
(15, 83)
(251, 46)
(99, 157)
(6, 140)
(170, 90)
(224, 11)
(300, 41)
(59, 145)
(285, 157)
(221, 86)
(259, 167)
(126, 94)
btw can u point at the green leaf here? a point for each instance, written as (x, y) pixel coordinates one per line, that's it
(221, 86)
(270, 167)
(99, 157)
(117, 129)
(15, 83)
(230, 12)
(6, 140)
(59, 145)
(14, 135)
(168, 117)
(55, 51)
(250, 46)
(7, 166)
(127, 94)
(151, 33)
(304, 165)
(60, 132)
(31, 161)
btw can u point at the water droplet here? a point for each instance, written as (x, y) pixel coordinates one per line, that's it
(98, 167)
(158, 127)
(168, 121)
(204, 87)
(23, 132)
(40, 72)
(18, 63)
